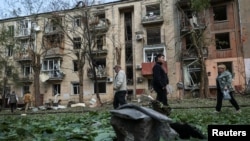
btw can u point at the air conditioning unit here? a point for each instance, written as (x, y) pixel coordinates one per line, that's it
(140, 79)
(138, 37)
(109, 80)
(138, 67)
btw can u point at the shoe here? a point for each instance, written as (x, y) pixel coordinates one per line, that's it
(238, 112)
(216, 112)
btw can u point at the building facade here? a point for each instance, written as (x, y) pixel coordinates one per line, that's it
(129, 33)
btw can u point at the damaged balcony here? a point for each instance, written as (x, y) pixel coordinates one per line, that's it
(99, 25)
(23, 28)
(100, 72)
(99, 52)
(54, 53)
(26, 78)
(153, 15)
(53, 75)
(191, 73)
(20, 57)
(191, 54)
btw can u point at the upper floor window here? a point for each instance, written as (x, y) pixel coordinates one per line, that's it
(23, 27)
(77, 21)
(154, 35)
(50, 64)
(220, 13)
(222, 41)
(77, 43)
(53, 24)
(153, 10)
(11, 30)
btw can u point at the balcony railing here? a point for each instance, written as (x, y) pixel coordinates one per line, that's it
(28, 78)
(188, 54)
(99, 24)
(100, 72)
(54, 74)
(23, 32)
(152, 19)
(22, 57)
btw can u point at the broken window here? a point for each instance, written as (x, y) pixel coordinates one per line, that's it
(77, 21)
(101, 86)
(222, 41)
(56, 89)
(23, 27)
(220, 13)
(77, 43)
(100, 41)
(76, 88)
(191, 70)
(100, 67)
(151, 52)
(52, 67)
(152, 10)
(153, 35)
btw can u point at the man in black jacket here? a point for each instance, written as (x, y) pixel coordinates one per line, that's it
(160, 80)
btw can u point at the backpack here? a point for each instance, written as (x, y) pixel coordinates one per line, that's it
(13, 98)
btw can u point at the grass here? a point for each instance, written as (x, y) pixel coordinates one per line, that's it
(195, 111)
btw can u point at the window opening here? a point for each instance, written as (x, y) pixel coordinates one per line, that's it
(222, 41)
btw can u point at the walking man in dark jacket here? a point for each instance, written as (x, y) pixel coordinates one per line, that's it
(160, 80)
(12, 101)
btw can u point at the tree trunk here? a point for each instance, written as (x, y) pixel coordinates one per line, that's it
(198, 44)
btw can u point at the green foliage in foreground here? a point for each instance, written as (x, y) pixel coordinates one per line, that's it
(91, 126)
(95, 126)
(202, 117)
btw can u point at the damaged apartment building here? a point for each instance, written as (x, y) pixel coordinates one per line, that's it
(220, 26)
(130, 33)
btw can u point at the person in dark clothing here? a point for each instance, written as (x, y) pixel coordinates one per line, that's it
(160, 80)
(12, 101)
(224, 82)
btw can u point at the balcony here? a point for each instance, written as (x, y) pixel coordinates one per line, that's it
(54, 53)
(100, 73)
(52, 75)
(23, 32)
(20, 57)
(193, 22)
(99, 52)
(148, 66)
(51, 29)
(191, 54)
(99, 25)
(152, 19)
(26, 78)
